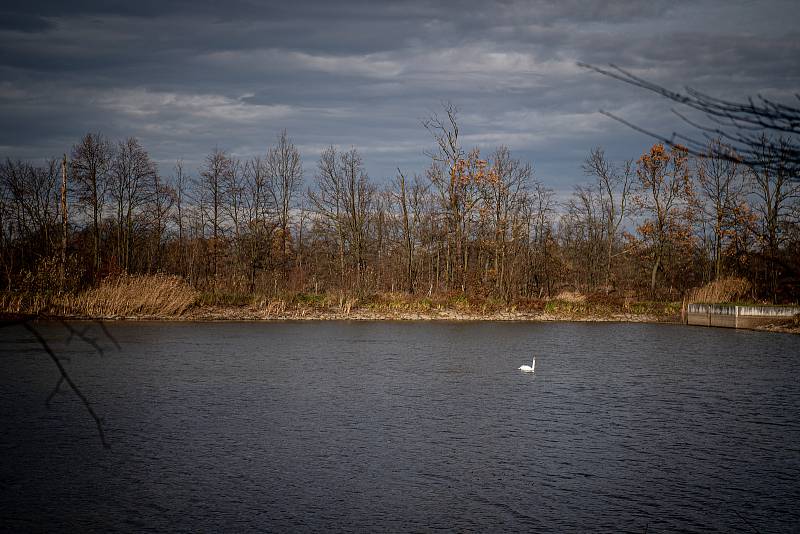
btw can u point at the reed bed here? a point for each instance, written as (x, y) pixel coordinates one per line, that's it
(26, 303)
(722, 290)
(132, 296)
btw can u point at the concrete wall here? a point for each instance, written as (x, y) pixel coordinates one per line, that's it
(701, 319)
(737, 316)
(725, 320)
(768, 311)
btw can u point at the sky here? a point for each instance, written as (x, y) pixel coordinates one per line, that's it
(186, 77)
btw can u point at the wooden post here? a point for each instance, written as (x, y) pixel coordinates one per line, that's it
(64, 221)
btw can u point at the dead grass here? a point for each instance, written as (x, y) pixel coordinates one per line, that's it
(170, 297)
(722, 290)
(26, 303)
(132, 296)
(572, 297)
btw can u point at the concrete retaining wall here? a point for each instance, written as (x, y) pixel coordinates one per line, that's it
(737, 316)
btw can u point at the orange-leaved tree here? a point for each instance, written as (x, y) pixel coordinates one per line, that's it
(663, 197)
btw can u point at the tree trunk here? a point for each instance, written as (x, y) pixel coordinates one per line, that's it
(64, 220)
(653, 274)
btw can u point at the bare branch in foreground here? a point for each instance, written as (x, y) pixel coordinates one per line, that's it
(63, 375)
(741, 126)
(66, 378)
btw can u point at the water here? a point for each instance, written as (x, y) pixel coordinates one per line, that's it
(403, 427)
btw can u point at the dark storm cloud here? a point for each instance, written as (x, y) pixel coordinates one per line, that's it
(23, 22)
(187, 76)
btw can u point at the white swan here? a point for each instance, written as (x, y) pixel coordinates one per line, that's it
(528, 368)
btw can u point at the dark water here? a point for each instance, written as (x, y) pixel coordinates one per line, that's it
(404, 427)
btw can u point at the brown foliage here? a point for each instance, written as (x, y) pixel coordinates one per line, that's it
(722, 290)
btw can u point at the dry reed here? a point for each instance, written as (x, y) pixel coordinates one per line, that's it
(131, 296)
(572, 297)
(722, 290)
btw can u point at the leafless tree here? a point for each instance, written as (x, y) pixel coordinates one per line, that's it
(400, 193)
(582, 236)
(721, 194)
(284, 181)
(344, 197)
(180, 183)
(775, 190)
(541, 260)
(29, 215)
(158, 208)
(260, 223)
(504, 192)
(327, 201)
(91, 162)
(614, 185)
(218, 166)
(233, 201)
(132, 178)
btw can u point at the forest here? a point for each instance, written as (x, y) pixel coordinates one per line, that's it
(474, 225)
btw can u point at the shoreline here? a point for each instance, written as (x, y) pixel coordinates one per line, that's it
(170, 298)
(446, 315)
(220, 313)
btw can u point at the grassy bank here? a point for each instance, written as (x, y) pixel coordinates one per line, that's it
(170, 298)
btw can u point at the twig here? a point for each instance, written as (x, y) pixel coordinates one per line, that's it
(735, 122)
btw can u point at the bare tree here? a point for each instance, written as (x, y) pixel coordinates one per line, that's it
(614, 187)
(260, 224)
(159, 209)
(504, 191)
(29, 200)
(327, 200)
(541, 261)
(64, 221)
(217, 167)
(180, 182)
(284, 181)
(358, 197)
(581, 233)
(91, 161)
(442, 174)
(721, 187)
(401, 196)
(233, 192)
(344, 197)
(133, 175)
(775, 190)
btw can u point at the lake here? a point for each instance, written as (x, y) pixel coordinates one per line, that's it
(385, 426)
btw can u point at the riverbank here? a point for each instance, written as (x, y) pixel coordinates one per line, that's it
(281, 311)
(169, 298)
(249, 313)
(254, 313)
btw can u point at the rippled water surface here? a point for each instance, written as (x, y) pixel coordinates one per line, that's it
(403, 427)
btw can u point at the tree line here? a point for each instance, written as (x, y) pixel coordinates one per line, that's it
(471, 223)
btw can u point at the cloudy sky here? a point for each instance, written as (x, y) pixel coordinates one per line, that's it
(187, 76)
